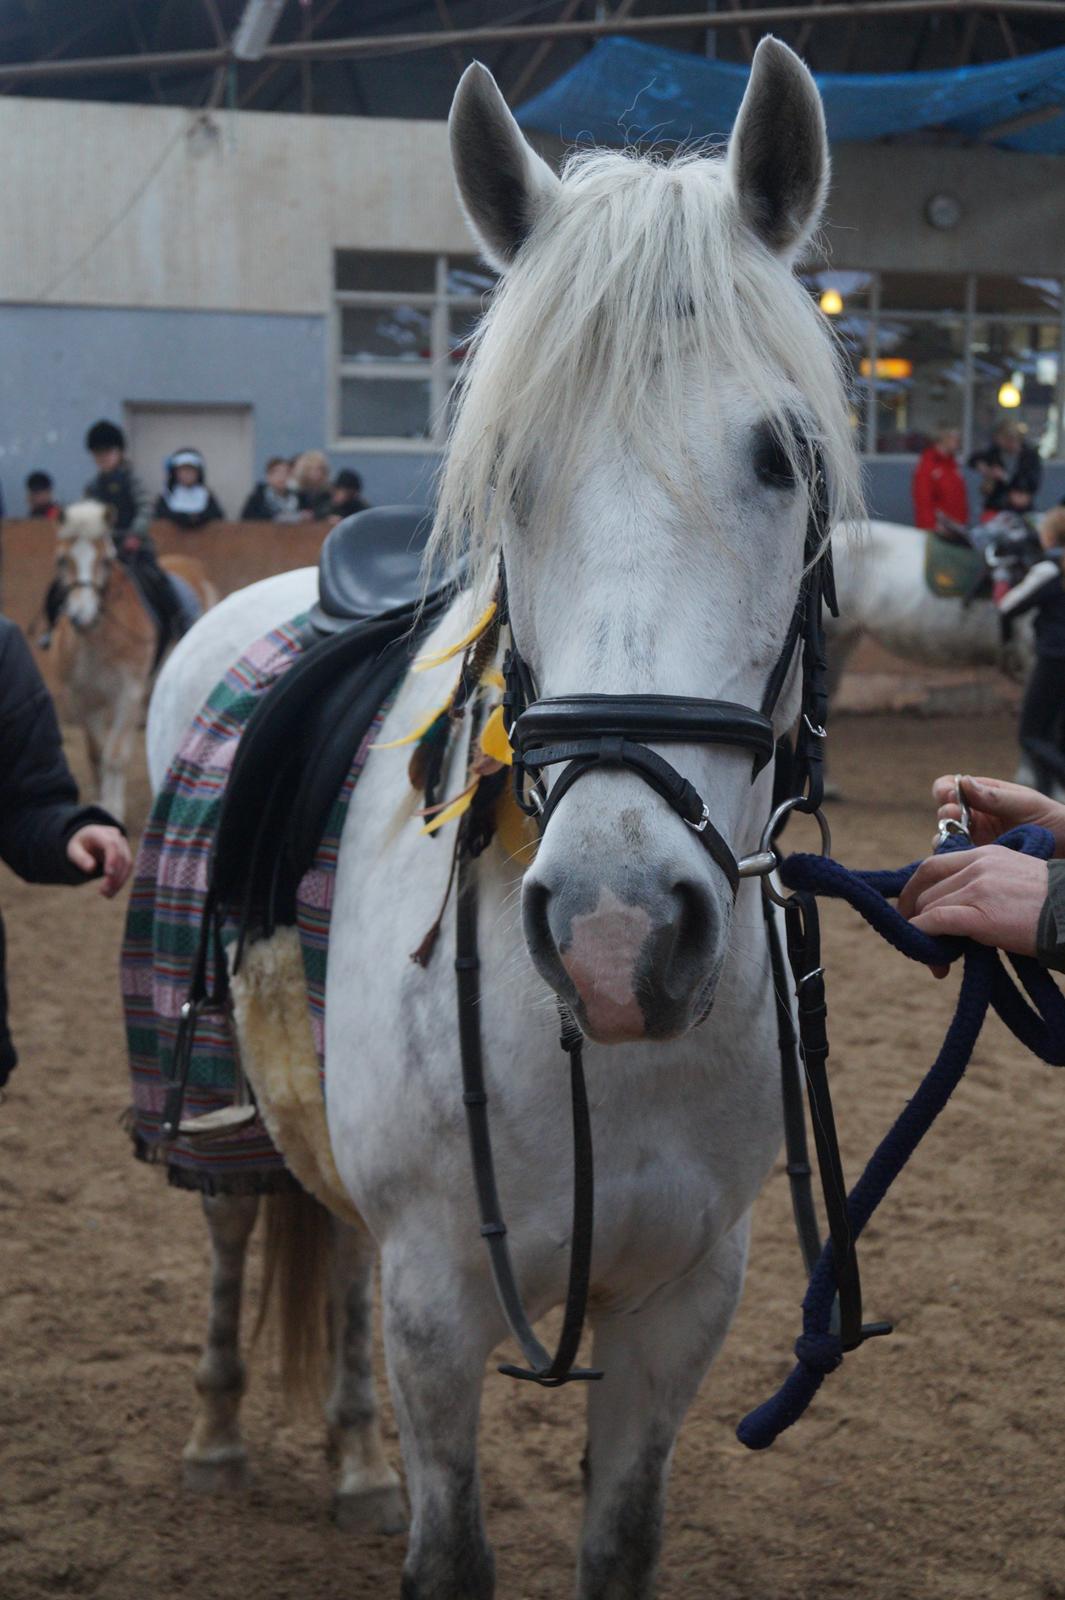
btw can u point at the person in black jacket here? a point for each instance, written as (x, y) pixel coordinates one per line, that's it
(118, 486)
(1010, 471)
(272, 500)
(45, 835)
(1042, 589)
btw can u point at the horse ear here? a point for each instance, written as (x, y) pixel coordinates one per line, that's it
(778, 153)
(503, 184)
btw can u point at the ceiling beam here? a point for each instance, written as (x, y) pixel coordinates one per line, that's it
(369, 45)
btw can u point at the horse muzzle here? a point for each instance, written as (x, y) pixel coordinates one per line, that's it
(632, 961)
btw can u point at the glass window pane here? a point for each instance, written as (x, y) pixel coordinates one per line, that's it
(1015, 371)
(838, 292)
(1042, 295)
(385, 333)
(922, 291)
(920, 382)
(384, 408)
(461, 323)
(468, 275)
(386, 271)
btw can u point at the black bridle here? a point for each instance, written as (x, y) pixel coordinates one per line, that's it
(582, 734)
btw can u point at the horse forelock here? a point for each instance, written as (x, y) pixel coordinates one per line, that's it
(640, 268)
(84, 519)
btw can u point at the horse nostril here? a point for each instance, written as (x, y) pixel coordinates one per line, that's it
(694, 923)
(534, 904)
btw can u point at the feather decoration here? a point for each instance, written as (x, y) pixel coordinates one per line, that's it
(437, 659)
(494, 741)
(420, 731)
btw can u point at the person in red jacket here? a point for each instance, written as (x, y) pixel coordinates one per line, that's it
(939, 490)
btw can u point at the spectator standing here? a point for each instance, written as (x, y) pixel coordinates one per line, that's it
(187, 501)
(40, 497)
(939, 490)
(312, 484)
(347, 495)
(1010, 471)
(272, 500)
(45, 835)
(1042, 729)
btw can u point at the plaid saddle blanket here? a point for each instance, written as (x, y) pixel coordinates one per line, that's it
(162, 930)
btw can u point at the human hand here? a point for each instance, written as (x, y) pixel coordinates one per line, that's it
(990, 894)
(997, 806)
(105, 847)
(130, 544)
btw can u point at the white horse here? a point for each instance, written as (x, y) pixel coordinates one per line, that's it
(883, 593)
(634, 433)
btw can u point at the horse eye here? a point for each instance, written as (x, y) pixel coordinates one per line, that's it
(771, 463)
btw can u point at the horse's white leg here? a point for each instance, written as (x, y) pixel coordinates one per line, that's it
(654, 1359)
(368, 1497)
(118, 748)
(439, 1329)
(215, 1458)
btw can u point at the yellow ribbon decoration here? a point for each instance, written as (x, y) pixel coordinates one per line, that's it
(422, 728)
(484, 621)
(494, 741)
(452, 811)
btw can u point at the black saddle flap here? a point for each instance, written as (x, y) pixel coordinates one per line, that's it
(372, 563)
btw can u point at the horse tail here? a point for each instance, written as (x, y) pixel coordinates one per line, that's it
(293, 1299)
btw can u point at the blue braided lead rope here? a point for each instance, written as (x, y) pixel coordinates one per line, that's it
(985, 983)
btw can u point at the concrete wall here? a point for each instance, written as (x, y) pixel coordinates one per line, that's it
(238, 212)
(1013, 219)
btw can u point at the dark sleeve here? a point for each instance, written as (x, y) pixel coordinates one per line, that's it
(979, 458)
(39, 808)
(1029, 474)
(1050, 938)
(214, 512)
(254, 510)
(1038, 583)
(161, 511)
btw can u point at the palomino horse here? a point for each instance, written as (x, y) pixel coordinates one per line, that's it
(635, 435)
(106, 641)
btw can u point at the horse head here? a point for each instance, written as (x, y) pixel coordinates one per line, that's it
(635, 435)
(84, 555)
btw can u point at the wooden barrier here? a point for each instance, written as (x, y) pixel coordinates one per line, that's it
(233, 553)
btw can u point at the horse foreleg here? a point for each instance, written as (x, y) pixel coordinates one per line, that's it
(368, 1497)
(439, 1329)
(654, 1359)
(215, 1459)
(118, 748)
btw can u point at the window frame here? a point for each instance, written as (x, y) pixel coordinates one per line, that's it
(968, 319)
(438, 370)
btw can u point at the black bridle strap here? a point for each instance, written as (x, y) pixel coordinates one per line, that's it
(550, 1371)
(613, 751)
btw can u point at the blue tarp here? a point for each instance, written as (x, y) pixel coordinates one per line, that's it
(624, 91)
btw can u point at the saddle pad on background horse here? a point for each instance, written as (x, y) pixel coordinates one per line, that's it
(953, 571)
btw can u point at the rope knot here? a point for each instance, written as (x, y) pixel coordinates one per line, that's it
(821, 1352)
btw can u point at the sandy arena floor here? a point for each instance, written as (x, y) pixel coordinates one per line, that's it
(929, 1469)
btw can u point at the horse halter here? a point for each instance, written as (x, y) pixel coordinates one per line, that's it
(585, 732)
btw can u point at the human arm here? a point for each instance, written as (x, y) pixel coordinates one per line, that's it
(1033, 588)
(40, 816)
(142, 512)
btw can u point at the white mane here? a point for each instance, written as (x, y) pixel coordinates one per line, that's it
(640, 264)
(85, 519)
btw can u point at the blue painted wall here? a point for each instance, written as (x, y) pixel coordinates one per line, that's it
(61, 367)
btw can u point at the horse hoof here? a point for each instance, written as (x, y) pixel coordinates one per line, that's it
(224, 1474)
(372, 1511)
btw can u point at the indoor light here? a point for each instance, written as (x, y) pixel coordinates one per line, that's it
(1009, 396)
(831, 302)
(896, 367)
